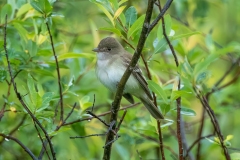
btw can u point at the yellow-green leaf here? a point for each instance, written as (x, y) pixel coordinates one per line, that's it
(75, 55)
(137, 25)
(118, 12)
(106, 12)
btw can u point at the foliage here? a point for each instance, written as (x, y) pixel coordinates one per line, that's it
(206, 45)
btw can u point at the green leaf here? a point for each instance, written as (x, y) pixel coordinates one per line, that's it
(32, 48)
(229, 137)
(21, 31)
(45, 114)
(235, 156)
(169, 123)
(118, 12)
(209, 43)
(159, 45)
(37, 6)
(3, 74)
(6, 10)
(106, 13)
(106, 4)
(84, 102)
(187, 111)
(32, 91)
(158, 90)
(186, 70)
(203, 77)
(131, 16)
(122, 19)
(113, 30)
(62, 129)
(185, 35)
(203, 65)
(42, 6)
(168, 24)
(42, 72)
(114, 3)
(121, 2)
(160, 32)
(137, 25)
(213, 141)
(24, 9)
(47, 97)
(75, 55)
(176, 94)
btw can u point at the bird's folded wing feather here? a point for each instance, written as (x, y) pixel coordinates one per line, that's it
(137, 73)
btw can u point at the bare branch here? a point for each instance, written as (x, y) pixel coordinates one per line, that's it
(155, 22)
(58, 73)
(21, 144)
(214, 121)
(195, 142)
(100, 115)
(19, 95)
(119, 93)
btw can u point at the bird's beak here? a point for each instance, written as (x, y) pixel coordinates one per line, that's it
(95, 50)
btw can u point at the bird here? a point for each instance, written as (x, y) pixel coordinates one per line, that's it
(112, 62)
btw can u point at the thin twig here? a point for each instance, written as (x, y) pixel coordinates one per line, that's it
(214, 121)
(121, 120)
(150, 138)
(100, 115)
(56, 129)
(140, 157)
(19, 95)
(195, 142)
(199, 134)
(21, 144)
(155, 22)
(16, 128)
(58, 72)
(8, 94)
(95, 116)
(235, 78)
(39, 135)
(180, 136)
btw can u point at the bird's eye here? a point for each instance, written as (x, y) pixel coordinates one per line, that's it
(109, 49)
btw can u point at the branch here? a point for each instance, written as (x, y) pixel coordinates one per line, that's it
(100, 115)
(58, 73)
(155, 22)
(21, 144)
(199, 134)
(56, 129)
(154, 99)
(214, 121)
(147, 137)
(195, 142)
(235, 78)
(16, 128)
(146, 29)
(180, 125)
(19, 95)
(39, 135)
(119, 93)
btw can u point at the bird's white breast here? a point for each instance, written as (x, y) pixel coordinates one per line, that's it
(110, 73)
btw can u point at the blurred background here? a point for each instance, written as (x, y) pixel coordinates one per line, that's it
(197, 29)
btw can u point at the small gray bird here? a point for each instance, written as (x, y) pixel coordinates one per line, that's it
(112, 61)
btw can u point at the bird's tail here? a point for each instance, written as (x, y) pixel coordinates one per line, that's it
(152, 108)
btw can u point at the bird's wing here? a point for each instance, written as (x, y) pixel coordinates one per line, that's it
(137, 73)
(128, 97)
